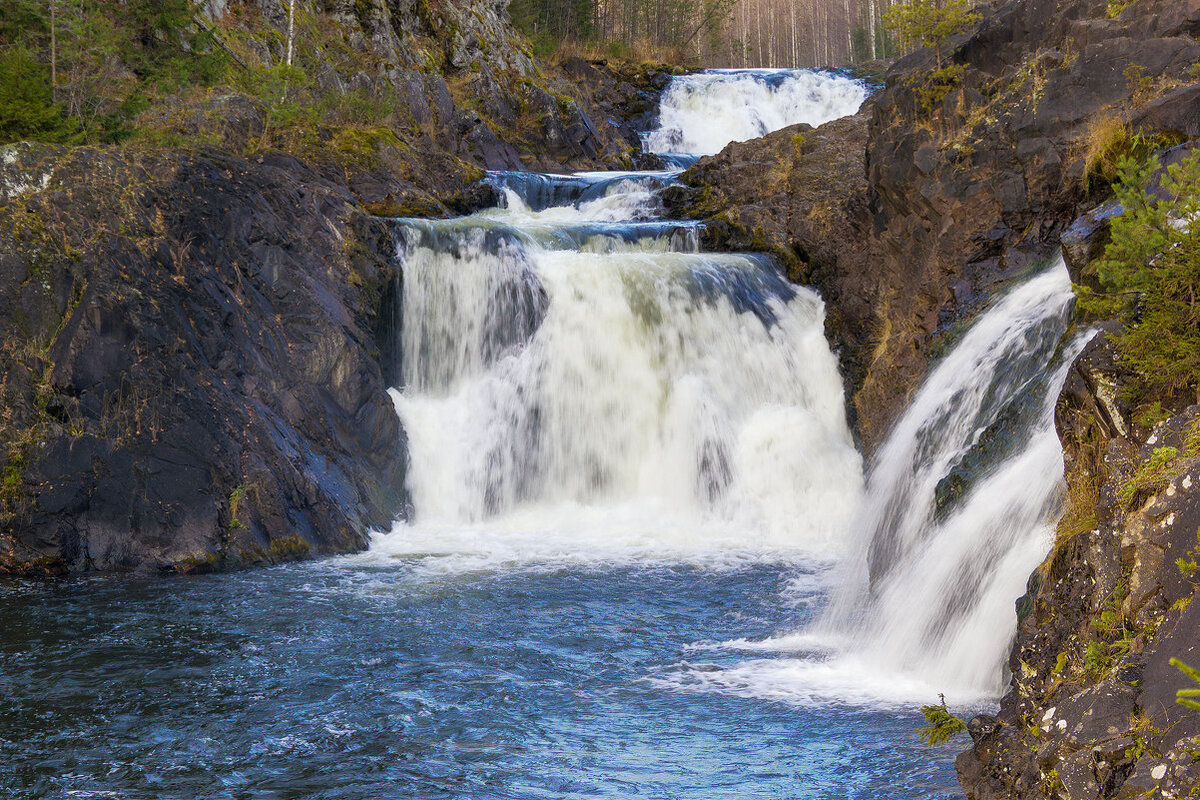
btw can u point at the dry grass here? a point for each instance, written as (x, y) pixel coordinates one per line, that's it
(1083, 493)
(1108, 140)
(641, 51)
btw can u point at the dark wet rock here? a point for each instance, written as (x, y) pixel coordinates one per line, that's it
(1084, 241)
(190, 347)
(1178, 111)
(1097, 713)
(197, 342)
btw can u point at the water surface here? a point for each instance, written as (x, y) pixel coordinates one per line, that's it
(358, 678)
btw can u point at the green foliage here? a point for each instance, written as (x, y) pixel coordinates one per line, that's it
(27, 110)
(11, 478)
(926, 23)
(1115, 7)
(1151, 415)
(1189, 565)
(236, 498)
(551, 20)
(1149, 477)
(1154, 258)
(289, 548)
(1111, 143)
(1184, 696)
(942, 724)
(932, 90)
(81, 70)
(1113, 637)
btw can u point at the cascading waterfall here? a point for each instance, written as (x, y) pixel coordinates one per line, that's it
(604, 383)
(702, 113)
(580, 382)
(630, 467)
(927, 607)
(944, 570)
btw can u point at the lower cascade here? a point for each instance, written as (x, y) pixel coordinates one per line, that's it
(958, 510)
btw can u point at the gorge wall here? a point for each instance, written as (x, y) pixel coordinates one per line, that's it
(912, 214)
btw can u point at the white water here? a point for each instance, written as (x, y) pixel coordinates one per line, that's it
(939, 616)
(622, 401)
(702, 113)
(581, 385)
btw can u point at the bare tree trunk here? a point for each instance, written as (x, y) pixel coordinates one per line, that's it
(757, 8)
(745, 36)
(792, 20)
(53, 51)
(291, 29)
(848, 21)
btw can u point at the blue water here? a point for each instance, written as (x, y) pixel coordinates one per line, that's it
(352, 679)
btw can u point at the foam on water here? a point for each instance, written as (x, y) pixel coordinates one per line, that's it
(926, 606)
(612, 404)
(702, 113)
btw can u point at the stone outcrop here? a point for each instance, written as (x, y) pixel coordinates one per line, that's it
(191, 362)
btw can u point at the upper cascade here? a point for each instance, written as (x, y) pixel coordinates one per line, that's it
(701, 113)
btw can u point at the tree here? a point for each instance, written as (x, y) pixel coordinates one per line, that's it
(1153, 262)
(942, 724)
(26, 108)
(1184, 696)
(922, 23)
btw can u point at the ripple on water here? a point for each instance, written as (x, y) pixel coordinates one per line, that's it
(351, 679)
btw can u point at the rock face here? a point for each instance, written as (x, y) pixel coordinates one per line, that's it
(1091, 712)
(954, 198)
(190, 361)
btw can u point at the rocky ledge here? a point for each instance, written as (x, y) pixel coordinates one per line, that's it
(191, 361)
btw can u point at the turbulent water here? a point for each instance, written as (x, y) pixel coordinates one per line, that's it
(641, 549)
(959, 510)
(702, 113)
(577, 387)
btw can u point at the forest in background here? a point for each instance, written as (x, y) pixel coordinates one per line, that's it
(718, 33)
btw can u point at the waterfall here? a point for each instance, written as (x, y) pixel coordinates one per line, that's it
(948, 554)
(959, 509)
(702, 113)
(580, 382)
